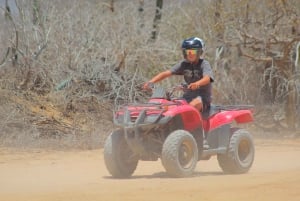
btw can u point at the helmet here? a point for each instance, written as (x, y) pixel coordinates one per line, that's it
(193, 43)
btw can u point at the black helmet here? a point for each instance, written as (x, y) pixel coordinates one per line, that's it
(193, 43)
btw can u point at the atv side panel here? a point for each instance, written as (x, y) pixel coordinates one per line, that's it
(219, 137)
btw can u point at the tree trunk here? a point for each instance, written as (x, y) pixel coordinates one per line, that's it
(36, 12)
(157, 18)
(7, 13)
(290, 109)
(112, 7)
(141, 22)
(218, 21)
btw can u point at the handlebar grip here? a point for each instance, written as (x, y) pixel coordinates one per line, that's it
(151, 85)
(184, 85)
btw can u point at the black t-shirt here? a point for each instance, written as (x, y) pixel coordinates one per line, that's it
(193, 73)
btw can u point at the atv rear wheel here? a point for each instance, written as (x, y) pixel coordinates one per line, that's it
(119, 159)
(180, 154)
(240, 155)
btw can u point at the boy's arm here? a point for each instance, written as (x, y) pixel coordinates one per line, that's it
(157, 78)
(161, 76)
(204, 81)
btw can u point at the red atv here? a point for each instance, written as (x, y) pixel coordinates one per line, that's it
(170, 129)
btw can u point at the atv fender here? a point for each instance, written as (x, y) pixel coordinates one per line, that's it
(227, 117)
(190, 117)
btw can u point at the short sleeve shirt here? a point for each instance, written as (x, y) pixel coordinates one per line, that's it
(193, 73)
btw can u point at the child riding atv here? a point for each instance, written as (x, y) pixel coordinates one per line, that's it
(197, 74)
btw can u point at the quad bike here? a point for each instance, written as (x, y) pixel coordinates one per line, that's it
(170, 129)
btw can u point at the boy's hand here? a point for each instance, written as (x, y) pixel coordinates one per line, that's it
(148, 86)
(194, 86)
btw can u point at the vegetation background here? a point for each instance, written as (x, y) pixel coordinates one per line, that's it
(65, 65)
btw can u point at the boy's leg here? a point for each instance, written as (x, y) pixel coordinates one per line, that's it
(197, 103)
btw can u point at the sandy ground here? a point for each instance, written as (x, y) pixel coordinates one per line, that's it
(38, 175)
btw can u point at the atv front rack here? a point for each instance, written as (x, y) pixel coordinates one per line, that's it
(135, 119)
(133, 115)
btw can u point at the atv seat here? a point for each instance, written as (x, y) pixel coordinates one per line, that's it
(212, 110)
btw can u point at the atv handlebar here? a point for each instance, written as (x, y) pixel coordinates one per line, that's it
(181, 87)
(161, 92)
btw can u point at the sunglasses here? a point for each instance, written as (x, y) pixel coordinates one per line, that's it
(190, 51)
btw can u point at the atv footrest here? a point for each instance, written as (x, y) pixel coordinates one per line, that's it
(209, 152)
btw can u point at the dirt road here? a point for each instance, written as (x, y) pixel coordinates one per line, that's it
(36, 175)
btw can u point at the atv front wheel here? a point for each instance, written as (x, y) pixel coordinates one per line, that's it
(240, 154)
(118, 157)
(180, 154)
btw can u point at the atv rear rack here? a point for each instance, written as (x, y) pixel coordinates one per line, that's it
(232, 107)
(217, 108)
